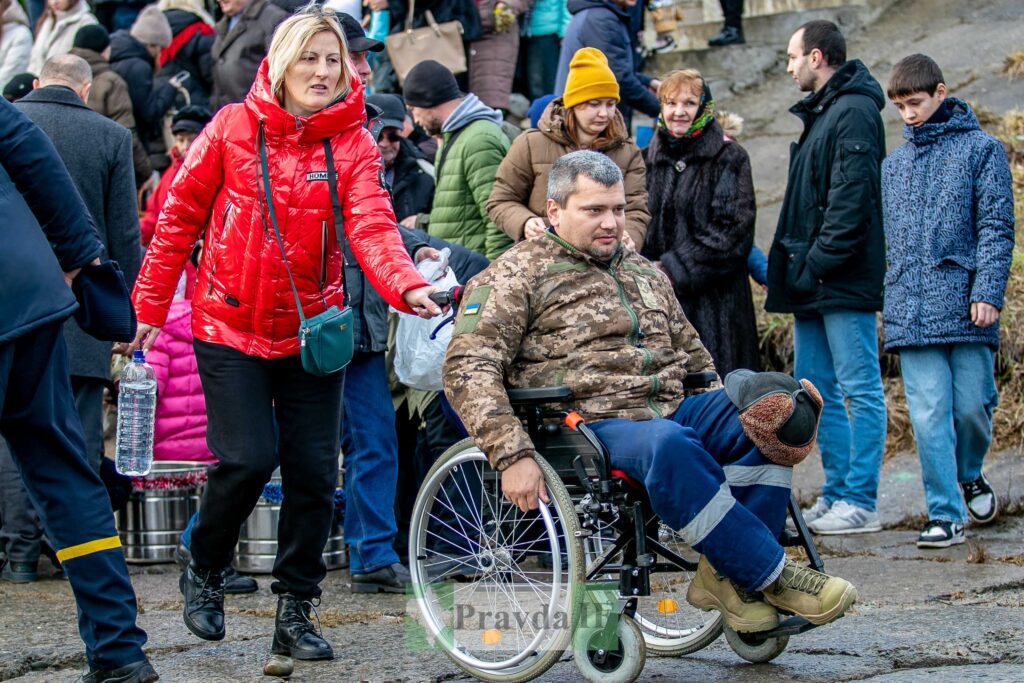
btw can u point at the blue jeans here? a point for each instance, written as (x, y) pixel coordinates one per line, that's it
(370, 449)
(708, 481)
(838, 352)
(951, 393)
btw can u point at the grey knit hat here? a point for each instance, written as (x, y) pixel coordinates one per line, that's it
(152, 28)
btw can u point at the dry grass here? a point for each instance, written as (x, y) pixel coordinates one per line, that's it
(775, 331)
(1013, 65)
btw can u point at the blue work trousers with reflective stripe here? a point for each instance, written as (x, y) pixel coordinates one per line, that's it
(708, 481)
(43, 430)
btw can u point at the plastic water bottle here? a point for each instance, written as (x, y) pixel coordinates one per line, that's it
(136, 407)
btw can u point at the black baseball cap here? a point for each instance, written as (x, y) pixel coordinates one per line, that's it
(356, 36)
(392, 109)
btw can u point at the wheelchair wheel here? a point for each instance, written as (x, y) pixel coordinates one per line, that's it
(670, 626)
(752, 650)
(623, 664)
(498, 590)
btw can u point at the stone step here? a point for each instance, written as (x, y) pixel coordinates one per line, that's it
(738, 67)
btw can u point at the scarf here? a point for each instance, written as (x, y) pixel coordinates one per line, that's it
(705, 113)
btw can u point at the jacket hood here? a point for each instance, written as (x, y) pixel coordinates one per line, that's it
(96, 61)
(962, 120)
(180, 19)
(552, 124)
(16, 15)
(576, 6)
(123, 46)
(469, 110)
(852, 78)
(344, 114)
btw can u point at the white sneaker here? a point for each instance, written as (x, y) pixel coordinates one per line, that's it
(816, 511)
(844, 518)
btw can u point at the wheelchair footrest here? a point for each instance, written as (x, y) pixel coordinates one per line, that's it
(790, 626)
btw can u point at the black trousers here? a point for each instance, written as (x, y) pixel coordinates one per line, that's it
(243, 396)
(733, 11)
(42, 428)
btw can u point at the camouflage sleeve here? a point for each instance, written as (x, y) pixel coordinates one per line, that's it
(491, 322)
(685, 337)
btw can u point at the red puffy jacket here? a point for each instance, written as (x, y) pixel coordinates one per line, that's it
(243, 299)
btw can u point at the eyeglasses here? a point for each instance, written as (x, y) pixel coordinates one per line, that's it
(390, 137)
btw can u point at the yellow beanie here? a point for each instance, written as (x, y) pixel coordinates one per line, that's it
(589, 78)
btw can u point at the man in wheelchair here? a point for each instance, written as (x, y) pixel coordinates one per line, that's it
(574, 307)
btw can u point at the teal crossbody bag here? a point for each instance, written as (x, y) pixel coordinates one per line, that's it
(326, 342)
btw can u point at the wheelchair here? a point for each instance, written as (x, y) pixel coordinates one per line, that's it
(506, 593)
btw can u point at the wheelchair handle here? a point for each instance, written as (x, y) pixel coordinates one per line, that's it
(450, 298)
(699, 380)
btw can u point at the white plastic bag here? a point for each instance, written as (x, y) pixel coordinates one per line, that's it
(418, 358)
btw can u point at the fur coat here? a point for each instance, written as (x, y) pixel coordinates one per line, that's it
(702, 227)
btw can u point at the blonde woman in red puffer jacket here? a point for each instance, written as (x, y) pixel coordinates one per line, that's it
(245, 319)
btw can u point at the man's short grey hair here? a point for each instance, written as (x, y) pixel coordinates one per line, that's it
(593, 165)
(70, 70)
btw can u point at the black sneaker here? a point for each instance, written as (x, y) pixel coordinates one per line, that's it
(204, 602)
(392, 579)
(982, 504)
(730, 35)
(136, 672)
(938, 533)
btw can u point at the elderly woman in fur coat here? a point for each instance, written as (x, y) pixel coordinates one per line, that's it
(702, 205)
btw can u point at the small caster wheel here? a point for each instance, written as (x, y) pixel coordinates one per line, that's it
(621, 665)
(755, 650)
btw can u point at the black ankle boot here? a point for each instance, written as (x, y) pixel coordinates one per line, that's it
(204, 601)
(294, 634)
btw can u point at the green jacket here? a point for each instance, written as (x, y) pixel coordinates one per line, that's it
(464, 183)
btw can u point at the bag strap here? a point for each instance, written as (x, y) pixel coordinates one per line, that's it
(339, 222)
(447, 148)
(273, 221)
(409, 16)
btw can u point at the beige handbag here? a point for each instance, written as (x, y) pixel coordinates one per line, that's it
(440, 42)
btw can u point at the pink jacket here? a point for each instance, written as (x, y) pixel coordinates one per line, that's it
(179, 432)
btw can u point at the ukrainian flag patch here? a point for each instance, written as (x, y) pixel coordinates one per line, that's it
(472, 309)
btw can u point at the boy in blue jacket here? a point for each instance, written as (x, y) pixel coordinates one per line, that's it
(947, 205)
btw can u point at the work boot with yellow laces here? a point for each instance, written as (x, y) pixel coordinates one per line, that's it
(743, 611)
(818, 598)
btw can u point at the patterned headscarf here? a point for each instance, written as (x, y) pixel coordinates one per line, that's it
(705, 113)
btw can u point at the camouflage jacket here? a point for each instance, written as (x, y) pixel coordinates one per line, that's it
(545, 314)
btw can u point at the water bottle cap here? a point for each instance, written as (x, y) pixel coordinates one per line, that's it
(138, 356)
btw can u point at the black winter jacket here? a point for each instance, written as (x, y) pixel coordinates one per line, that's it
(37, 192)
(151, 98)
(463, 11)
(829, 247)
(412, 189)
(702, 227)
(194, 57)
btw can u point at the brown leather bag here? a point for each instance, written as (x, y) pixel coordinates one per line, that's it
(440, 42)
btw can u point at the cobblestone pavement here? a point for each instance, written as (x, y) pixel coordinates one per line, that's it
(947, 615)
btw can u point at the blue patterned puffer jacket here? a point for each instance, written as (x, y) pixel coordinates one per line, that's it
(947, 204)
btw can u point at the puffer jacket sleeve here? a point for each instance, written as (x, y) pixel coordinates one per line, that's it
(184, 215)
(370, 228)
(513, 183)
(490, 326)
(638, 215)
(480, 166)
(993, 199)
